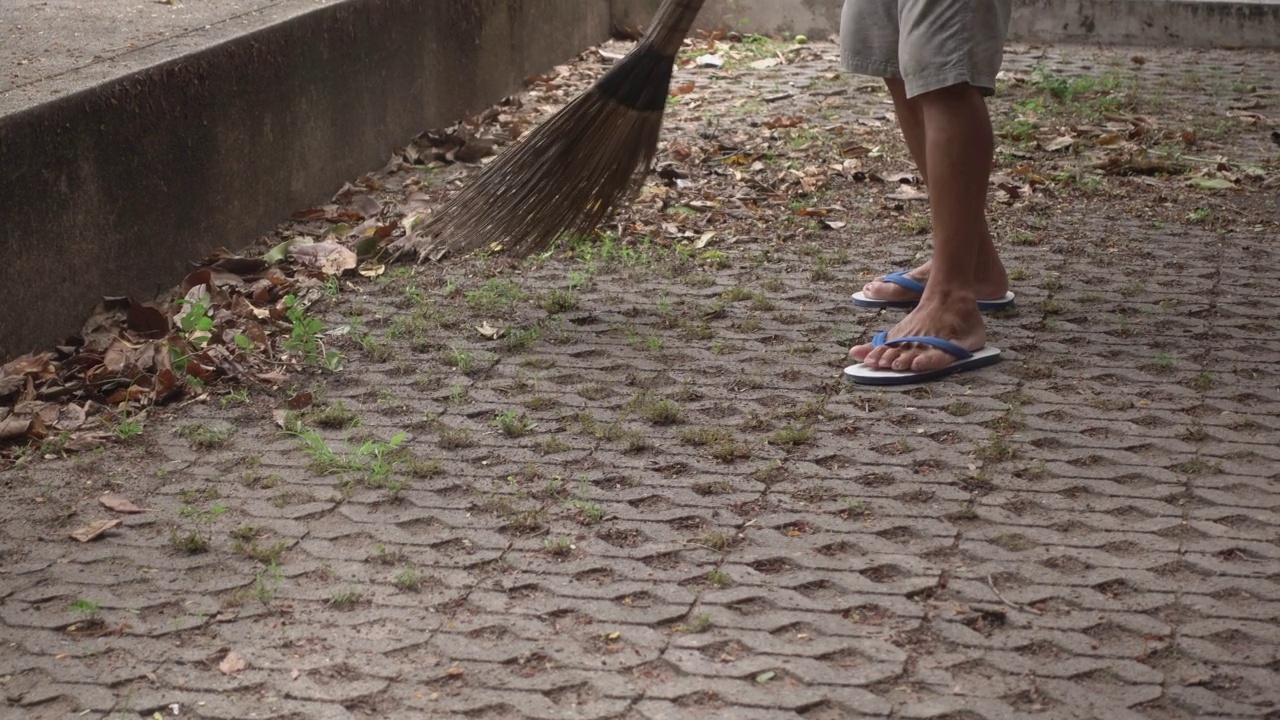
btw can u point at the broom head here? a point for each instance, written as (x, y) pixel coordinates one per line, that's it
(573, 171)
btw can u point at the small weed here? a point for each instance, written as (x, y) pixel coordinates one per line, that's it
(421, 468)
(266, 583)
(383, 556)
(553, 446)
(559, 547)
(196, 539)
(717, 541)
(407, 579)
(792, 435)
(1197, 466)
(463, 360)
(729, 451)
(560, 301)
(635, 442)
(661, 412)
(1195, 432)
(304, 338)
(718, 578)
(854, 507)
(375, 348)
(205, 438)
(245, 532)
(822, 271)
(997, 450)
(1199, 215)
(454, 438)
(88, 610)
(542, 402)
(719, 487)
(589, 513)
(1012, 542)
(240, 397)
(513, 424)
(1204, 381)
(1052, 306)
(699, 624)
(336, 416)
(251, 549)
(517, 340)
(919, 224)
(705, 436)
(195, 495)
(458, 394)
(345, 598)
(189, 542)
(1133, 289)
(495, 296)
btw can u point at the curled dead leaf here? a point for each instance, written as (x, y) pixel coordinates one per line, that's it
(12, 427)
(95, 529)
(328, 257)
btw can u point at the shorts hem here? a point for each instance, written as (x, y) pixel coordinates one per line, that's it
(870, 67)
(920, 84)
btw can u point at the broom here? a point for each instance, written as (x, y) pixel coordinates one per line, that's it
(575, 169)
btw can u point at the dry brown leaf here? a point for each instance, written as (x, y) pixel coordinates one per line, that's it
(85, 442)
(1061, 142)
(328, 257)
(908, 193)
(119, 503)
(70, 417)
(14, 427)
(233, 663)
(94, 529)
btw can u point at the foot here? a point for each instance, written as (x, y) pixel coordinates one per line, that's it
(992, 285)
(954, 318)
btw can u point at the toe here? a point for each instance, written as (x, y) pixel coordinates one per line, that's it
(906, 358)
(862, 352)
(929, 360)
(889, 357)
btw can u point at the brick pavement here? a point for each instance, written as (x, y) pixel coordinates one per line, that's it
(1088, 530)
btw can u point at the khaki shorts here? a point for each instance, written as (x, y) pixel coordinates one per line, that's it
(929, 44)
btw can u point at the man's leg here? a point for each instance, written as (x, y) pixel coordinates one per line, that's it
(990, 280)
(958, 148)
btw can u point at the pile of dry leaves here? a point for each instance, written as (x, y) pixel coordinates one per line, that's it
(235, 318)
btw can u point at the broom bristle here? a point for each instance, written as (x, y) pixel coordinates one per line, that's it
(572, 172)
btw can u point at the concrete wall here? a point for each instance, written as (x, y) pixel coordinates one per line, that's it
(115, 188)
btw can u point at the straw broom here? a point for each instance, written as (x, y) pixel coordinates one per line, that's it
(573, 171)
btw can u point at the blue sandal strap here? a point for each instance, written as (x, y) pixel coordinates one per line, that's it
(946, 346)
(900, 279)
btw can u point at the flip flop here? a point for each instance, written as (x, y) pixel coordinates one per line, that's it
(901, 279)
(965, 360)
